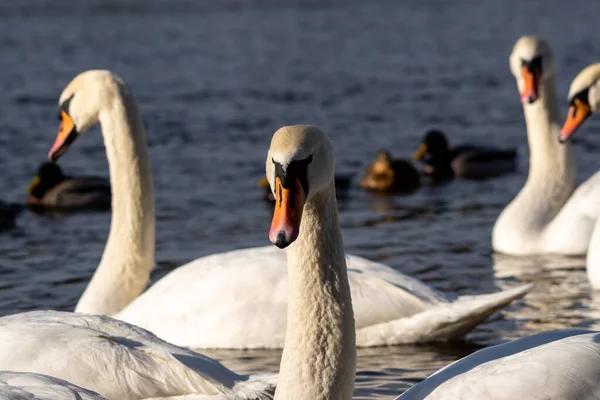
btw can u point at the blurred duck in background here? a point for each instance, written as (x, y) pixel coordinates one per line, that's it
(342, 185)
(467, 161)
(52, 189)
(386, 175)
(8, 215)
(548, 216)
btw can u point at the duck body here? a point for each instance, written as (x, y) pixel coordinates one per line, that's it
(467, 161)
(27, 386)
(238, 299)
(559, 365)
(475, 162)
(51, 189)
(110, 357)
(387, 175)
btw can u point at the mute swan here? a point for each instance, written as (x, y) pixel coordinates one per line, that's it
(235, 299)
(559, 365)
(25, 386)
(319, 356)
(537, 220)
(584, 99)
(386, 175)
(52, 189)
(466, 161)
(111, 357)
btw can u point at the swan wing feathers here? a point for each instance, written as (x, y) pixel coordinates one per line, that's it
(445, 321)
(26, 386)
(111, 357)
(559, 365)
(238, 299)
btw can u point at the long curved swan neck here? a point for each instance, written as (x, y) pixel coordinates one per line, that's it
(128, 258)
(319, 356)
(550, 161)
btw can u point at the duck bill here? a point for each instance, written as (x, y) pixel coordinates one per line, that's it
(66, 135)
(578, 112)
(34, 183)
(531, 79)
(420, 153)
(289, 203)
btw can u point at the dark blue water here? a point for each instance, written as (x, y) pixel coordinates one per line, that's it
(215, 79)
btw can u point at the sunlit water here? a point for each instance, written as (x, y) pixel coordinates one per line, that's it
(215, 79)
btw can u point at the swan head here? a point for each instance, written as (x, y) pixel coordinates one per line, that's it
(531, 62)
(80, 105)
(584, 99)
(299, 165)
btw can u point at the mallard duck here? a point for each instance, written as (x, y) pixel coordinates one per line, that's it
(391, 176)
(51, 188)
(466, 161)
(342, 185)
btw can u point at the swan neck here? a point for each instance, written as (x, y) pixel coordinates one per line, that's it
(319, 356)
(549, 159)
(128, 258)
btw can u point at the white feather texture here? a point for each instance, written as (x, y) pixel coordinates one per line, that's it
(560, 365)
(239, 300)
(25, 386)
(536, 220)
(113, 358)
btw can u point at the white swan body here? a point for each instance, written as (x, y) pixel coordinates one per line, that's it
(536, 221)
(559, 365)
(113, 358)
(26, 386)
(239, 300)
(229, 300)
(584, 99)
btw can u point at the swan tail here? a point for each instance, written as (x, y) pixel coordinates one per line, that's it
(442, 322)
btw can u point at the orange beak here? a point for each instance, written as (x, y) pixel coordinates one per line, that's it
(289, 203)
(532, 82)
(66, 135)
(578, 112)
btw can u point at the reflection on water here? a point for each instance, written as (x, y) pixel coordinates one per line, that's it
(214, 80)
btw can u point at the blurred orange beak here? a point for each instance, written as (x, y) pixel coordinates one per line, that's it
(578, 112)
(532, 81)
(289, 203)
(66, 135)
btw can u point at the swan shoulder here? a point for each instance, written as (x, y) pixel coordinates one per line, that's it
(239, 299)
(557, 365)
(27, 386)
(108, 356)
(578, 217)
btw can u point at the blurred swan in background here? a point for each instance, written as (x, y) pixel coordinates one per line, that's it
(547, 216)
